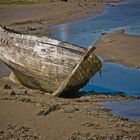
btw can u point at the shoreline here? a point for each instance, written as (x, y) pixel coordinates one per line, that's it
(49, 13)
(109, 45)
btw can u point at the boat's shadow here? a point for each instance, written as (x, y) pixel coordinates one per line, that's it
(79, 94)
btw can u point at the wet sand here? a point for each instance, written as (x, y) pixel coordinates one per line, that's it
(31, 114)
(119, 48)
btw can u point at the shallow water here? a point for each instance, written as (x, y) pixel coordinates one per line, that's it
(125, 15)
(129, 109)
(85, 32)
(133, 30)
(116, 78)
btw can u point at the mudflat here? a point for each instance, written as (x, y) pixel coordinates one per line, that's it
(34, 115)
(120, 48)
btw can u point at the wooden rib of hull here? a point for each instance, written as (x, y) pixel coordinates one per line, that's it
(47, 64)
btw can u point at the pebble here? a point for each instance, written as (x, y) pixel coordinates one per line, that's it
(70, 109)
(93, 124)
(90, 111)
(13, 132)
(86, 136)
(7, 86)
(48, 109)
(12, 93)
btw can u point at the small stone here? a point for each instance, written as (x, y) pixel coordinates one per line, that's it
(119, 134)
(48, 109)
(13, 132)
(13, 93)
(86, 136)
(25, 92)
(70, 109)
(90, 111)
(103, 33)
(26, 100)
(1, 132)
(93, 124)
(7, 86)
(38, 105)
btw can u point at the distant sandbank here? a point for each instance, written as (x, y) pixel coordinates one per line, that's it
(120, 48)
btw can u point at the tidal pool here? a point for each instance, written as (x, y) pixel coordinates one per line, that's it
(126, 109)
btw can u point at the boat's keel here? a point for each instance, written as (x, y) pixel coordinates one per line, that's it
(13, 78)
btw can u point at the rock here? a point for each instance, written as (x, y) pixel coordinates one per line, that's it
(1, 132)
(47, 109)
(103, 33)
(70, 109)
(38, 105)
(25, 92)
(13, 93)
(26, 100)
(69, 117)
(85, 99)
(86, 136)
(90, 111)
(18, 133)
(80, 136)
(7, 86)
(124, 124)
(118, 135)
(93, 124)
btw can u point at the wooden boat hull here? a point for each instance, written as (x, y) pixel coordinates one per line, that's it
(47, 64)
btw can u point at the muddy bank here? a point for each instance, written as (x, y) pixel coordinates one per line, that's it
(32, 114)
(119, 48)
(48, 13)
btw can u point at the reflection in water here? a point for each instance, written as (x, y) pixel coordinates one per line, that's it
(64, 31)
(129, 109)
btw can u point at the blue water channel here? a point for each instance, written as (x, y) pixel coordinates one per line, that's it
(127, 109)
(124, 15)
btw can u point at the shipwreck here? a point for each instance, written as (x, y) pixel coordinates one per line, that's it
(43, 63)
